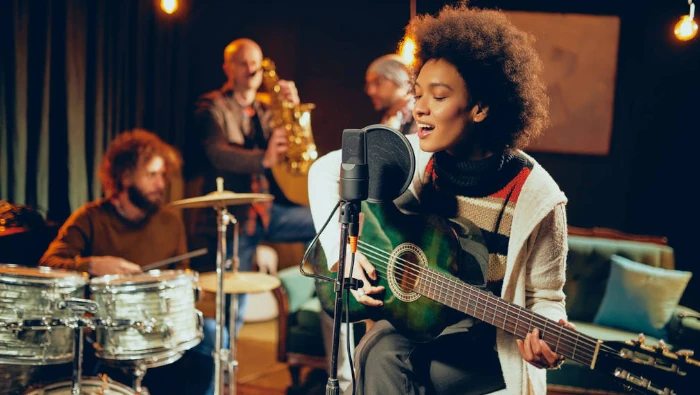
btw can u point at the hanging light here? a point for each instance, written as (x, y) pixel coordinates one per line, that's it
(407, 50)
(169, 6)
(686, 28)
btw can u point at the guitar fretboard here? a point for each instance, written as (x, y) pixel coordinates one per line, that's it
(509, 317)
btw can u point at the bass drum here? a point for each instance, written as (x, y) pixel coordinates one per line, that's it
(15, 379)
(89, 386)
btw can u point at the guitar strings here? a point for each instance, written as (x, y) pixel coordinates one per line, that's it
(431, 276)
(412, 270)
(482, 298)
(568, 333)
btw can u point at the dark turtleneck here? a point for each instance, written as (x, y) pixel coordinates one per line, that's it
(453, 177)
(475, 178)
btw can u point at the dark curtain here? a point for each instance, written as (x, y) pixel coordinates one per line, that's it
(73, 74)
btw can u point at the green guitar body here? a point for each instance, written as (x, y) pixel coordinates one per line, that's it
(388, 230)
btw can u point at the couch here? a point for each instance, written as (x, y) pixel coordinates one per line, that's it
(588, 270)
(591, 253)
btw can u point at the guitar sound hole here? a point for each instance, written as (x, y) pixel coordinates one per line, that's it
(407, 271)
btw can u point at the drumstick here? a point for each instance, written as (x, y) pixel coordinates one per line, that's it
(174, 259)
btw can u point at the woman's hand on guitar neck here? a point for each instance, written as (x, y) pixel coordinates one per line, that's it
(361, 271)
(537, 353)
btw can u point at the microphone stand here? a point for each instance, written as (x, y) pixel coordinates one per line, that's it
(350, 223)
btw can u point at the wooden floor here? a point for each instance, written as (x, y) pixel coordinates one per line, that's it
(258, 370)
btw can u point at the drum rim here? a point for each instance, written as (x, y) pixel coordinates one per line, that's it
(36, 361)
(101, 283)
(57, 385)
(153, 352)
(71, 279)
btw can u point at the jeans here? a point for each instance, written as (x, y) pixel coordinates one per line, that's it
(288, 224)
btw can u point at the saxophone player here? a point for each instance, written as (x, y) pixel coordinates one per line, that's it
(239, 145)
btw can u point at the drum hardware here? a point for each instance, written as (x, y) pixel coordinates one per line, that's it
(225, 364)
(78, 307)
(224, 359)
(166, 322)
(167, 332)
(147, 325)
(138, 372)
(163, 302)
(92, 385)
(35, 325)
(42, 316)
(165, 305)
(115, 323)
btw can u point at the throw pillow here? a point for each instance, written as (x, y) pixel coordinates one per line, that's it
(639, 297)
(587, 274)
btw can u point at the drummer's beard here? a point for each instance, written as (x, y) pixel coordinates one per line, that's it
(148, 203)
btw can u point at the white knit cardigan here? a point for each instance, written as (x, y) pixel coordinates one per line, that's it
(536, 264)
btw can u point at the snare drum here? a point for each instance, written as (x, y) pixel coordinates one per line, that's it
(32, 330)
(89, 386)
(148, 317)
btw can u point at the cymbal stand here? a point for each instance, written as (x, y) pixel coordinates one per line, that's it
(224, 358)
(78, 307)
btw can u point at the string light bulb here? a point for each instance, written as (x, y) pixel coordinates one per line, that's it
(686, 28)
(407, 50)
(169, 6)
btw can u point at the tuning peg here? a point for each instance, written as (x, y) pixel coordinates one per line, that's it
(685, 353)
(641, 339)
(661, 346)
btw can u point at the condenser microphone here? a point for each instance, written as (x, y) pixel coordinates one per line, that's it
(354, 174)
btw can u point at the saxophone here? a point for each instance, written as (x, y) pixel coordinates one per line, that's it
(292, 174)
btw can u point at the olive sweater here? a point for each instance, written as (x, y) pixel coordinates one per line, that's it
(97, 229)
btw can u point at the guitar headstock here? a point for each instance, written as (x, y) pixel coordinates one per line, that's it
(649, 369)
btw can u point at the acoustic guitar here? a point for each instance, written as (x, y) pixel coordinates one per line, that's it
(417, 261)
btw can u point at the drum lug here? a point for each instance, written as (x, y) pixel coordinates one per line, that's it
(200, 320)
(19, 313)
(145, 327)
(77, 304)
(109, 303)
(12, 326)
(165, 305)
(197, 293)
(166, 332)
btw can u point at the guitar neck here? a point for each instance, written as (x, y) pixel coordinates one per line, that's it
(509, 317)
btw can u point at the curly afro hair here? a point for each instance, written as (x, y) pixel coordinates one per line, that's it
(499, 65)
(128, 151)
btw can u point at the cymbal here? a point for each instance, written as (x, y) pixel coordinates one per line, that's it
(225, 198)
(239, 282)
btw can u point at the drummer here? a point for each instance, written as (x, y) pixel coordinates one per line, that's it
(130, 227)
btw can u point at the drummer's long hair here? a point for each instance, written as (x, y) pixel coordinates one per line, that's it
(130, 150)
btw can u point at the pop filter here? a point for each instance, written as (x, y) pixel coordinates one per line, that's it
(390, 161)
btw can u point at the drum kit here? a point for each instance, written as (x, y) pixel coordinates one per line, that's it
(139, 321)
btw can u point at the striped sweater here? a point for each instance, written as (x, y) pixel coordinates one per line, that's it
(480, 198)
